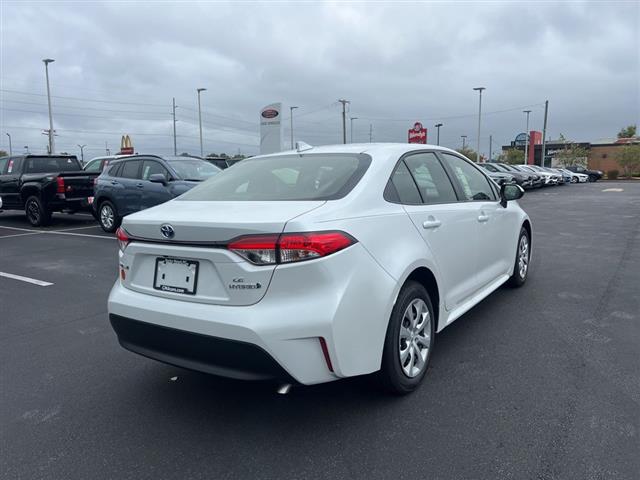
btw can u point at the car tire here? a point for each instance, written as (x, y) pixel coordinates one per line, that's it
(412, 326)
(522, 260)
(574, 179)
(37, 213)
(593, 178)
(108, 217)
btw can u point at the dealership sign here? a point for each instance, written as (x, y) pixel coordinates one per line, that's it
(418, 134)
(521, 140)
(271, 128)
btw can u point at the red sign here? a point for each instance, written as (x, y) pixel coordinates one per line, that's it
(418, 134)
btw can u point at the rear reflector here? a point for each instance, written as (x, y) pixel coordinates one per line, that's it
(290, 247)
(325, 352)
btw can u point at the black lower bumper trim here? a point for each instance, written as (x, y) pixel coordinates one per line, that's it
(217, 356)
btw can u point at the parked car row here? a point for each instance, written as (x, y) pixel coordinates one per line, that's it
(533, 176)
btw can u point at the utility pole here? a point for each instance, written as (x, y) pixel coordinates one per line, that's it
(544, 129)
(10, 150)
(47, 61)
(81, 152)
(291, 109)
(344, 120)
(106, 148)
(479, 90)
(526, 141)
(175, 144)
(351, 119)
(438, 125)
(490, 146)
(200, 90)
(370, 132)
(464, 139)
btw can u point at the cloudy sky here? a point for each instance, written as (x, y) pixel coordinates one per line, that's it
(118, 65)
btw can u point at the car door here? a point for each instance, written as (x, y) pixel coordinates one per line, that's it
(128, 197)
(446, 225)
(153, 193)
(494, 239)
(10, 170)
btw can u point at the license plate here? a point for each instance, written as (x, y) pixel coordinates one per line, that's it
(176, 275)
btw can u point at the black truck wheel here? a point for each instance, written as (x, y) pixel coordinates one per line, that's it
(37, 213)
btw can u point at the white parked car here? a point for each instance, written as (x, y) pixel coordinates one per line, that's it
(318, 264)
(575, 177)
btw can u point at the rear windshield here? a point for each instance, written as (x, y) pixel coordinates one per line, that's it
(51, 164)
(193, 169)
(290, 177)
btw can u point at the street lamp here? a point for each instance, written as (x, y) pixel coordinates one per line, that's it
(81, 152)
(47, 61)
(291, 109)
(479, 90)
(200, 90)
(10, 152)
(351, 119)
(438, 125)
(526, 141)
(464, 139)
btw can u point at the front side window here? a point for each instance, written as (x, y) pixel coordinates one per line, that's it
(93, 166)
(475, 186)
(151, 167)
(130, 169)
(3, 164)
(312, 176)
(431, 178)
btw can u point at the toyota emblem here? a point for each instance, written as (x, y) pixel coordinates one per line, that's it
(167, 231)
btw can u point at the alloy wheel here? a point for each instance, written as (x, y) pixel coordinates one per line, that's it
(523, 256)
(107, 216)
(33, 211)
(415, 338)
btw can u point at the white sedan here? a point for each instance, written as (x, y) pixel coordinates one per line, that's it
(313, 265)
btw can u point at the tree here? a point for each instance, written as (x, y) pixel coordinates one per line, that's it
(468, 152)
(3, 153)
(629, 159)
(627, 132)
(513, 156)
(571, 153)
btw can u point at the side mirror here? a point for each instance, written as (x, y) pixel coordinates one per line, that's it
(510, 192)
(158, 178)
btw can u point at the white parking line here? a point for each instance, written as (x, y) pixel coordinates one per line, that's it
(58, 232)
(26, 279)
(77, 228)
(19, 235)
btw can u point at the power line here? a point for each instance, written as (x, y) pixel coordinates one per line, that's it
(83, 99)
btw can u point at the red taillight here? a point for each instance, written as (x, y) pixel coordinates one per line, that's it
(60, 185)
(123, 239)
(325, 352)
(290, 247)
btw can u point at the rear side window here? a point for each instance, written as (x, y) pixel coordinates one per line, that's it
(401, 187)
(287, 177)
(3, 164)
(93, 166)
(432, 180)
(475, 186)
(51, 164)
(130, 169)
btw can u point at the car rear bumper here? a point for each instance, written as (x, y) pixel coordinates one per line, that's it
(344, 299)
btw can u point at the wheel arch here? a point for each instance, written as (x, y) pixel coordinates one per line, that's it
(425, 277)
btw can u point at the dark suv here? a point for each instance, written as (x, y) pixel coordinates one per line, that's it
(134, 183)
(594, 175)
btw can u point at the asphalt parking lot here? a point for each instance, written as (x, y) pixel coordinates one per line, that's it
(537, 383)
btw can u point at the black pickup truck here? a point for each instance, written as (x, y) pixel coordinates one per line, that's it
(43, 184)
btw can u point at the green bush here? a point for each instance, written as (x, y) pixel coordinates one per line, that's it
(612, 174)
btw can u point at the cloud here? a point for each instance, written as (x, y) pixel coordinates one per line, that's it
(119, 65)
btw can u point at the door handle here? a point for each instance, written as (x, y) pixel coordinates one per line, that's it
(139, 185)
(483, 218)
(114, 182)
(431, 222)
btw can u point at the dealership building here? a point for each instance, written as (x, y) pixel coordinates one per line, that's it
(601, 155)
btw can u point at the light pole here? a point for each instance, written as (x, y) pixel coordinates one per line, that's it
(479, 90)
(464, 139)
(526, 141)
(351, 119)
(200, 90)
(291, 109)
(438, 125)
(81, 152)
(10, 151)
(344, 119)
(47, 61)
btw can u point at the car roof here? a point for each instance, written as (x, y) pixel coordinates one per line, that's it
(373, 149)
